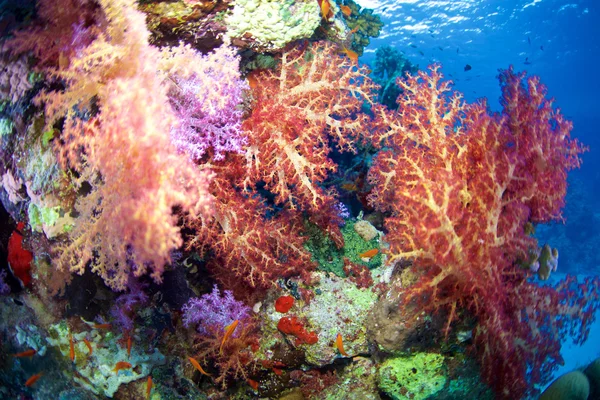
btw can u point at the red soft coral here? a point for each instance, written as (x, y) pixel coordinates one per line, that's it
(233, 358)
(314, 95)
(297, 108)
(461, 185)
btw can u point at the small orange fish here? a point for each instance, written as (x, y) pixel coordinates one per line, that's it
(89, 345)
(347, 11)
(325, 8)
(27, 353)
(33, 379)
(197, 365)
(101, 326)
(349, 187)
(71, 348)
(352, 55)
(228, 332)
(253, 384)
(369, 253)
(129, 346)
(121, 365)
(148, 387)
(252, 81)
(354, 30)
(339, 344)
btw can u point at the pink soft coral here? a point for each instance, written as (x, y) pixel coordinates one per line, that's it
(126, 223)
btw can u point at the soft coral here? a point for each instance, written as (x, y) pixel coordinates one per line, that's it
(126, 223)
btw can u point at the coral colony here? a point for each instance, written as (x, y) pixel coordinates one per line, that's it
(209, 199)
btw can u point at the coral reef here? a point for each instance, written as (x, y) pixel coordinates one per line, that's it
(214, 199)
(270, 25)
(415, 377)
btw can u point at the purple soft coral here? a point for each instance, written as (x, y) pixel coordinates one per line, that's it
(207, 120)
(213, 311)
(124, 309)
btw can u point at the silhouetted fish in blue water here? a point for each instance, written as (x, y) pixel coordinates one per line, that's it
(468, 67)
(527, 61)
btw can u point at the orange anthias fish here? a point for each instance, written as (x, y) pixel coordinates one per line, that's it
(71, 348)
(253, 384)
(101, 326)
(354, 30)
(89, 345)
(129, 346)
(347, 11)
(369, 253)
(339, 344)
(27, 353)
(252, 80)
(352, 55)
(228, 332)
(325, 8)
(149, 387)
(197, 365)
(121, 365)
(33, 379)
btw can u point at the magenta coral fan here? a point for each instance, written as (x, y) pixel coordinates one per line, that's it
(207, 104)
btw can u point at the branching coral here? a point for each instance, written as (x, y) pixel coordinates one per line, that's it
(233, 357)
(312, 96)
(461, 185)
(297, 109)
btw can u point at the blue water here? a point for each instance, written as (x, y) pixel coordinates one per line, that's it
(557, 40)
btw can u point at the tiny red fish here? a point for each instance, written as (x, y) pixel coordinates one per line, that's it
(121, 365)
(71, 348)
(197, 365)
(149, 385)
(339, 344)
(228, 332)
(129, 346)
(347, 11)
(33, 379)
(27, 353)
(89, 345)
(369, 253)
(253, 384)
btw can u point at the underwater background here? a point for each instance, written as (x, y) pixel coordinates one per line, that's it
(299, 199)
